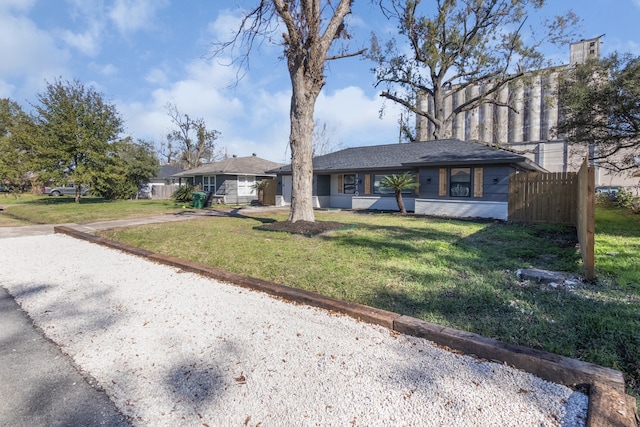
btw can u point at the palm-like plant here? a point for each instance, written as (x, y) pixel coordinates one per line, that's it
(260, 187)
(397, 183)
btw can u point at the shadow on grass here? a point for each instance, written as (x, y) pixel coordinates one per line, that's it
(237, 213)
(577, 323)
(66, 200)
(469, 283)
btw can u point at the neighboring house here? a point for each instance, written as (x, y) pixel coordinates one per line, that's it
(165, 175)
(162, 185)
(231, 179)
(456, 178)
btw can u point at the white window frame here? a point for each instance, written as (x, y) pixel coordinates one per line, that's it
(245, 185)
(207, 185)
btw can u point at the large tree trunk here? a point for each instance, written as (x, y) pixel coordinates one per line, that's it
(306, 48)
(303, 102)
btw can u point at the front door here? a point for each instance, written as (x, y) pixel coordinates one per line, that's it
(287, 185)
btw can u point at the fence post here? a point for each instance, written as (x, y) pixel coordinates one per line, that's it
(586, 223)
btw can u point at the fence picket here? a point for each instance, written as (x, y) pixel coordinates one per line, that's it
(558, 198)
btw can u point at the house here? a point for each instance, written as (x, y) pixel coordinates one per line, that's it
(230, 180)
(455, 178)
(165, 175)
(162, 185)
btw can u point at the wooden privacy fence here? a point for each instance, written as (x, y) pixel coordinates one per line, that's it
(269, 195)
(543, 197)
(162, 191)
(558, 198)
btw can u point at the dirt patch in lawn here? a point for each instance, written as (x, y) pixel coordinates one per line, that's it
(562, 238)
(306, 228)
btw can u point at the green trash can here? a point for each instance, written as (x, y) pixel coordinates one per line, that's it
(198, 199)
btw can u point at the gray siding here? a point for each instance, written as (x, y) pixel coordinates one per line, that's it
(226, 185)
(323, 185)
(429, 182)
(497, 191)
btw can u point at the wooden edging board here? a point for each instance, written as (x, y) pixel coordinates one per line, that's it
(608, 403)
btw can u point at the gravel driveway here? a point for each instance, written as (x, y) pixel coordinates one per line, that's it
(173, 348)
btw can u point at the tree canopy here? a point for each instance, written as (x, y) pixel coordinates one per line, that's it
(17, 133)
(459, 44)
(600, 103)
(128, 165)
(77, 129)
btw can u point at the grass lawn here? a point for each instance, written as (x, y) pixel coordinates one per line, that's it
(451, 272)
(28, 209)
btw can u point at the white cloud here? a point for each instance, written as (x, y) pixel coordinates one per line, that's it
(225, 26)
(30, 56)
(253, 117)
(19, 5)
(104, 69)
(87, 42)
(356, 117)
(614, 44)
(157, 77)
(132, 15)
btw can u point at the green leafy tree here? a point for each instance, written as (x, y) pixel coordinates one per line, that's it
(459, 44)
(600, 103)
(307, 31)
(127, 167)
(78, 129)
(17, 138)
(399, 183)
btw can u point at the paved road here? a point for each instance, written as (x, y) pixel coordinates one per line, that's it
(39, 385)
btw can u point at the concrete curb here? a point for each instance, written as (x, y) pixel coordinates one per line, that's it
(608, 403)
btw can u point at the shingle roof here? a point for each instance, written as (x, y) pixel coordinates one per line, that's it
(166, 171)
(401, 156)
(251, 165)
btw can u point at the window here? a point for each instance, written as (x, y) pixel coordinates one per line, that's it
(245, 185)
(377, 188)
(209, 184)
(457, 182)
(460, 182)
(349, 184)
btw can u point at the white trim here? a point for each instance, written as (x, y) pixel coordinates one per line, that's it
(207, 188)
(462, 208)
(387, 203)
(246, 187)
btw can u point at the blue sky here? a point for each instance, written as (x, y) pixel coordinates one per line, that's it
(142, 54)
